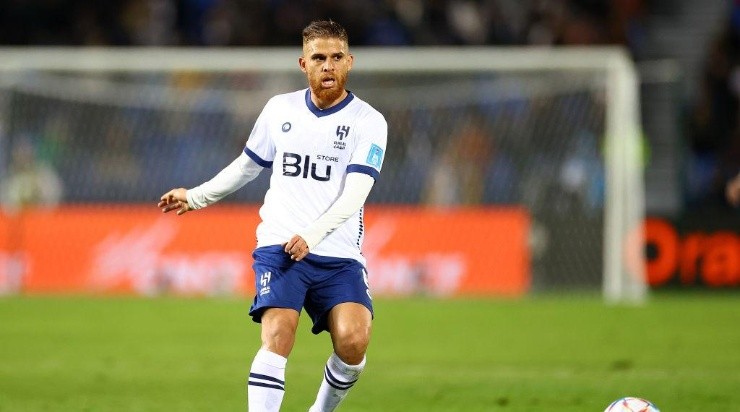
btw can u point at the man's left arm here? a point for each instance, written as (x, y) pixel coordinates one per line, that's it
(362, 172)
(357, 187)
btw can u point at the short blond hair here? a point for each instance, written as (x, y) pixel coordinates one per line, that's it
(324, 29)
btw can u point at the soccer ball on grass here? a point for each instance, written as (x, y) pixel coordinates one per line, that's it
(631, 404)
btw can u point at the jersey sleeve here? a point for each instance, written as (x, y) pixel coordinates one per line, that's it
(372, 135)
(260, 146)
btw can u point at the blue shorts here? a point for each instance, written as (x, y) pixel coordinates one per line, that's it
(316, 283)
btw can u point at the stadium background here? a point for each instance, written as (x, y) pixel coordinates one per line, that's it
(70, 169)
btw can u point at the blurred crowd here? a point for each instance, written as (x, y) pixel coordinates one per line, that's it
(712, 120)
(279, 22)
(713, 123)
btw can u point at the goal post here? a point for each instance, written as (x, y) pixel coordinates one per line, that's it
(565, 123)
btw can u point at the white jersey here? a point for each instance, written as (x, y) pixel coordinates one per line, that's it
(310, 152)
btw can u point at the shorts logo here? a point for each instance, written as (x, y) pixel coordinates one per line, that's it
(286, 127)
(375, 156)
(264, 280)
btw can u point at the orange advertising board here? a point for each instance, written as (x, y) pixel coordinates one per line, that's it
(136, 249)
(704, 256)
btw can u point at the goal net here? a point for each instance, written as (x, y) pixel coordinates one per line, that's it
(554, 132)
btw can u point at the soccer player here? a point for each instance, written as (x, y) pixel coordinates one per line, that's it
(325, 147)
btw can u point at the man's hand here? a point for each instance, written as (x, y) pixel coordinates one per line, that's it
(297, 248)
(732, 191)
(175, 199)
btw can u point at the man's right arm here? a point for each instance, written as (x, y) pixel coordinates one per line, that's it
(240, 172)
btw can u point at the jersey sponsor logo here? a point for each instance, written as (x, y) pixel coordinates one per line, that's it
(264, 283)
(286, 127)
(296, 165)
(375, 156)
(327, 158)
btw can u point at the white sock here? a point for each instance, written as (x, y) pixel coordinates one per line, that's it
(266, 385)
(338, 380)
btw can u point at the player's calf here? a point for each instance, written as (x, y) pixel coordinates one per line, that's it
(266, 385)
(339, 378)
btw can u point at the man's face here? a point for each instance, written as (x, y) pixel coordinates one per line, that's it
(326, 62)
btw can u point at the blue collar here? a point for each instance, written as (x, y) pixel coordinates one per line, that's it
(337, 107)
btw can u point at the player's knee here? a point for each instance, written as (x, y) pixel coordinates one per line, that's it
(278, 341)
(278, 334)
(351, 344)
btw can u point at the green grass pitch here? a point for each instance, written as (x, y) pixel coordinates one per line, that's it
(682, 351)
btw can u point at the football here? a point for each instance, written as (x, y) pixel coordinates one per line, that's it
(631, 404)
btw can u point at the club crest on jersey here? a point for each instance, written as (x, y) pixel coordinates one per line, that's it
(286, 127)
(342, 132)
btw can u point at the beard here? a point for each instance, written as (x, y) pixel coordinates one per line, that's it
(328, 96)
